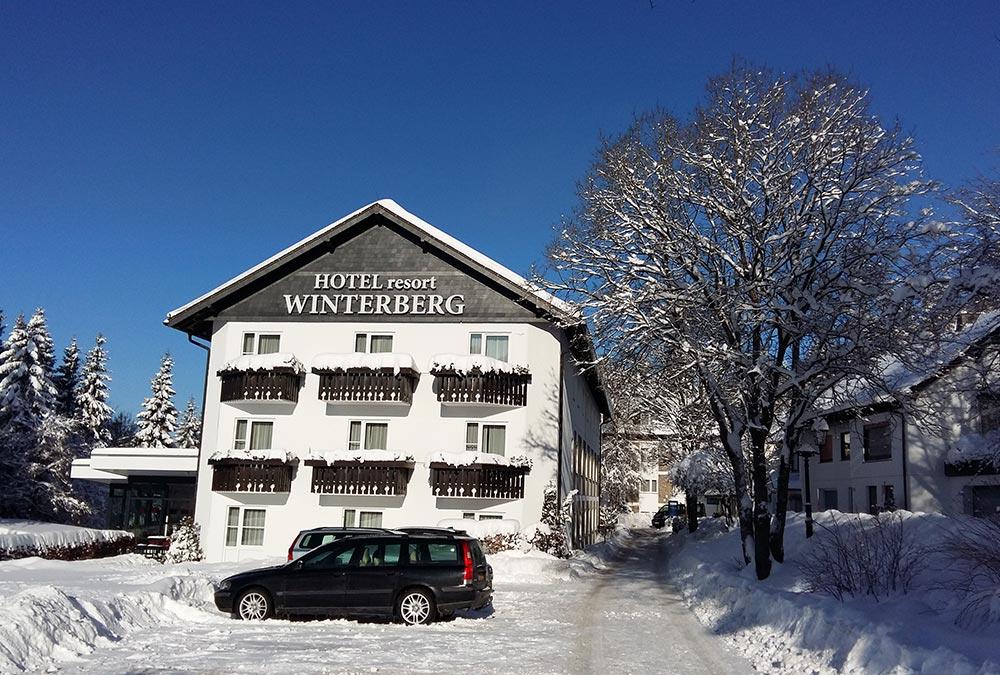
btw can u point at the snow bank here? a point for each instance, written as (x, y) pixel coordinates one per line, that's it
(38, 536)
(45, 623)
(475, 364)
(343, 362)
(254, 455)
(265, 362)
(785, 629)
(331, 456)
(482, 528)
(470, 458)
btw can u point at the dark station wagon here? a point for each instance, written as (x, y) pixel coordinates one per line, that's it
(415, 577)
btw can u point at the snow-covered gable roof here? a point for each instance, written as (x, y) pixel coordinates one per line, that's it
(394, 211)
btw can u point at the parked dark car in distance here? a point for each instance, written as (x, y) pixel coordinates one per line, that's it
(415, 578)
(670, 510)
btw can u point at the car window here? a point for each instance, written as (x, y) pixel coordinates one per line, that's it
(316, 539)
(378, 555)
(335, 557)
(430, 553)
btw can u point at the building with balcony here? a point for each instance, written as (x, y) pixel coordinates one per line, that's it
(381, 373)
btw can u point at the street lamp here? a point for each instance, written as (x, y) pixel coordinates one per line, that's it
(820, 428)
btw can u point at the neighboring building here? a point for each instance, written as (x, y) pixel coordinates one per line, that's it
(381, 373)
(878, 457)
(649, 436)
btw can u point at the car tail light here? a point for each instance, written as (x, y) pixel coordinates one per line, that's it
(467, 554)
(290, 548)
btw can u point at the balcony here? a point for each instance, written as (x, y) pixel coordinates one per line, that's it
(366, 378)
(478, 480)
(353, 477)
(463, 379)
(267, 377)
(249, 475)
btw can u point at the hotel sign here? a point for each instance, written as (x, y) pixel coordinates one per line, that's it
(373, 294)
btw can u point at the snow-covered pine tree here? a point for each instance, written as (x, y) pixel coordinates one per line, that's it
(47, 469)
(158, 417)
(189, 429)
(66, 379)
(26, 390)
(185, 542)
(91, 398)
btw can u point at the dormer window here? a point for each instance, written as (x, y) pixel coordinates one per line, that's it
(371, 343)
(493, 346)
(260, 343)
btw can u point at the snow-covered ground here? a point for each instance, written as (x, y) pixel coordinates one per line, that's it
(30, 534)
(782, 628)
(128, 614)
(622, 607)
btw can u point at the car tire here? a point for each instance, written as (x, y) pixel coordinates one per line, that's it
(254, 605)
(416, 607)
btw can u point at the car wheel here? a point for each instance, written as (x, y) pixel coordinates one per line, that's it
(254, 605)
(415, 607)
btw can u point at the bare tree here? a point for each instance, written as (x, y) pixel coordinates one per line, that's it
(771, 244)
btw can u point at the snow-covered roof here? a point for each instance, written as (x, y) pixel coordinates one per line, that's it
(390, 207)
(470, 458)
(473, 363)
(346, 361)
(273, 455)
(265, 362)
(331, 456)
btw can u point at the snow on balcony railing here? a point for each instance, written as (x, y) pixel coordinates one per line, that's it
(465, 378)
(478, 475)
(394, 361)
(473, 364)
(360, 472)
(270, 456)
(262, 377)
(252, 470)
(359, 377)
(279, 361)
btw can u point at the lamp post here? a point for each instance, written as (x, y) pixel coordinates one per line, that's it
(820, 428)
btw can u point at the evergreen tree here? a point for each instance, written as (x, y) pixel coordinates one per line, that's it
(185, 542)
(91, 398)
(189, 430)
(158, 417)
(122, 430)
(47, 467)
(66, 379)
(27, 394)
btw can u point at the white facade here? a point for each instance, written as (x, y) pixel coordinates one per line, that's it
(560, 419)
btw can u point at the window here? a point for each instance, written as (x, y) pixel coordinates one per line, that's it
(333, 558)
(350, 516)
(826, 452)
(378, 555)
(647, 485)
(254, 343)
(981, 500)
(989, 412)
(375, 435)
(373, 344)
(370, 519)
(260, 437)
(828, 499)
(494, 438)
(233, 526)
(845, 446)
(878, 442)
(850, 499)
(493, 346)
(468, 515)
(872, 499)
(253, 527)
(432, 553)
(490, 516)
(793, 464)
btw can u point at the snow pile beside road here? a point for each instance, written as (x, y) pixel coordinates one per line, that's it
(785, 629)
(46, 623)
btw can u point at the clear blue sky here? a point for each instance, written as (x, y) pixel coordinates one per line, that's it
(149, 151)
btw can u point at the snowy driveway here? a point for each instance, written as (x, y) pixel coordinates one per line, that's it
(619, 620)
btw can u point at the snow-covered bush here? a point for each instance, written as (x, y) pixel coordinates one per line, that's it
(503, 541)
(972, 552)
(185, 542)
(863, 555)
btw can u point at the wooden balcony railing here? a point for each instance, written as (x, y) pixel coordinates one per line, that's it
(360, 478)
(251, 476)
(260, 385)
(497, 388)
(973, 467)
(367, 385)
(486, 481)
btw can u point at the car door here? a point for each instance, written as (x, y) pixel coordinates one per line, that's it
(374, 576)
(316, 583)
